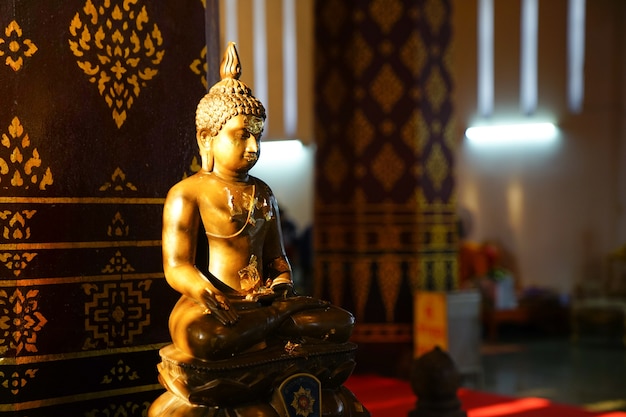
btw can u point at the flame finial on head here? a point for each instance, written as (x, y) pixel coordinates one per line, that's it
(230, 67)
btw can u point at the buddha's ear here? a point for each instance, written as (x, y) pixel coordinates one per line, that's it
(205, 142)
(204, 139)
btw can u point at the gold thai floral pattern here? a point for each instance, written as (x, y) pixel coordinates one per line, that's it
(20, 164)
(118, 182)
(14, 47)
(116, 313)
(13, 224)
(118, 48)
(16, 261)
(17, 380)
(20, 321)
(200, 66)
(120, 372)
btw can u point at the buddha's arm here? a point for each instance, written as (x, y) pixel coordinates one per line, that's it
(277, 267)
(180, 232)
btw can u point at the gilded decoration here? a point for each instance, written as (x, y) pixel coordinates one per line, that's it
(14, 47)
(415, 132)
(436, 89)
(386, 13)
(334, 91)
(387, 88)
(128, 408)
(118, 227)
(116, 313)
(435, 13)
(118, 182)
(335, 168)
(413, 54)
(20, 164)
(118, 265)
(388, 167)
(361, 283)
(199, 66)
(437, 166)
(361, 54)
(17, 380)
(335, 14)
(16, 261)
(118, 49)
(20, 321)
(363, 132)
(119, 373)
(389, 282)
(14, 225)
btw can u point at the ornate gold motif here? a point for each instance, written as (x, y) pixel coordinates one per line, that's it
(361, 54)
(14, 47)
(386, 13)
(437, 166)
(18, 168)
(118, 49)
(335, 169)
(387, 88)
(17, 381)
(415, 132)
(20, 321)
(200, 67)
(118, 182)
(118, 264)
(363, 132)
(388, 167)
(334, 91)
(119, 373)
(389, 281)
(303, 402)
(436, 89)
(361, 283)
(126, 409)
(435, 15)
(414, 54)
(118, 227)
(117, 312)
(15, 224)
(16, 261)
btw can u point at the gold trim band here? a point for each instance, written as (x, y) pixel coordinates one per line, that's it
(80, 245)
(81, 200)
(81, 279)
(23, 360)
(28, 405)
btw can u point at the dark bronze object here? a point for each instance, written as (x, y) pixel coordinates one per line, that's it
(435, 381)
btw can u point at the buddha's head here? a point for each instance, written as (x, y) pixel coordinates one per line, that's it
(228, 98)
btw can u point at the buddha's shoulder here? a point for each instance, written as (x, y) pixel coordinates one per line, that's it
(191, 187)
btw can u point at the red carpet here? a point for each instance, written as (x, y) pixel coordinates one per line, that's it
(389, 397)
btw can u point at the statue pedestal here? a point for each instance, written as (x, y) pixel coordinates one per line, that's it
(273, 382)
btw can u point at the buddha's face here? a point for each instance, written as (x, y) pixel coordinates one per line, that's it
(237, 146)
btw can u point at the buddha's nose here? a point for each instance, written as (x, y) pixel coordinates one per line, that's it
(252, 145)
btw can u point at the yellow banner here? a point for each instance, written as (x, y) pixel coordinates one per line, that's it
(431, 322)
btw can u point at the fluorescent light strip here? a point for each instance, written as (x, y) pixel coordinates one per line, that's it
(528, 62)
(512, 134)
(485, 57)
(290, 68)
(576, 55)
(260, 53)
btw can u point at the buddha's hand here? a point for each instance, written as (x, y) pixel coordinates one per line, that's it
(219, 306)
(284, 291)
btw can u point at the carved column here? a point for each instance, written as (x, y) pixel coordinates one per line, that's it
(385, 204)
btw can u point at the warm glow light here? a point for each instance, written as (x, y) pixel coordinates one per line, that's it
(511, 407)
(512, 133)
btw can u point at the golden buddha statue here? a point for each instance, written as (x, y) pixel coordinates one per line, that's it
(243, 310)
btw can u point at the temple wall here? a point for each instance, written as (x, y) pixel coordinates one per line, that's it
(97, 103)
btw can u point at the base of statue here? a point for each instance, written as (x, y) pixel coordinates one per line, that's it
(280, 381)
